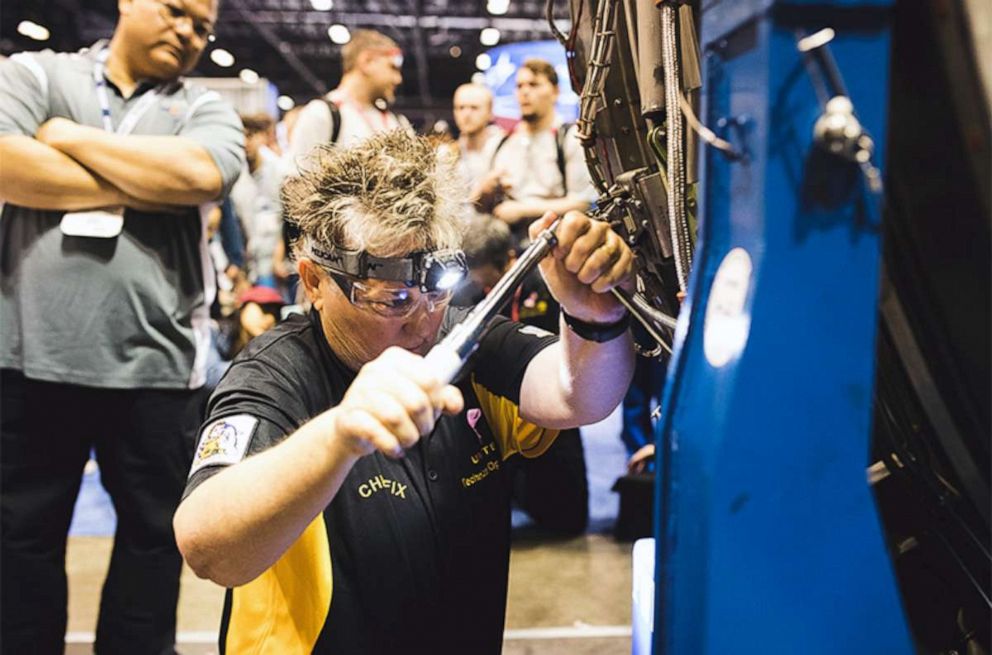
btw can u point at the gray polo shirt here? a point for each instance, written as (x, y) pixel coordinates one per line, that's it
(127, 312)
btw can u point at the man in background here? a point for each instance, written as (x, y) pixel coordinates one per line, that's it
(478, 138)
(371, 64)
(105, 289)
(358, 108)
(256, 197)
(540, 167)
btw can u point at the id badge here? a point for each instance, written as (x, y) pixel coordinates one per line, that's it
(96, 223)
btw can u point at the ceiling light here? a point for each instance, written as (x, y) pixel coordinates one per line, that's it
(222, 57)
(498, 7)
(489, 36)
(455, 51)
(339, 34)
(33, 30)
(285, 103)
(248, 76)
(322, 5)
(483, 62)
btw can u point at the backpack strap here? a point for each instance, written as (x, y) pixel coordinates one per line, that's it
(560, 146)
(335, 118)
(492, 162)
(559, 152)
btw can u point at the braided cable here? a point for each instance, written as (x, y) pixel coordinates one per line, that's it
(675, 168)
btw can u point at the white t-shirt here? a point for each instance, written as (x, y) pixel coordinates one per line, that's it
(358, 123)
(473, 165)
(530, 164)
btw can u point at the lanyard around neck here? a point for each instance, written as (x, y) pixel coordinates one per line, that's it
(137, 111)
(361, 111)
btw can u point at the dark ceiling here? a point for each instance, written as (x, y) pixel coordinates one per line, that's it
(286, 41)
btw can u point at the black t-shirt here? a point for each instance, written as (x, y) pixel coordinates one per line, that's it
(412, 555)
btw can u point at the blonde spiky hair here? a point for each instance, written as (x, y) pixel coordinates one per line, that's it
(390, 195)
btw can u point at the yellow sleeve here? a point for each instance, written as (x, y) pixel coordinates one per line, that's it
(512, 433)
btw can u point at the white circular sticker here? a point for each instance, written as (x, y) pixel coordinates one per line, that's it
(727, 322)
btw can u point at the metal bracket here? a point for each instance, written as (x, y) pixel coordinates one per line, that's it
(838, 130)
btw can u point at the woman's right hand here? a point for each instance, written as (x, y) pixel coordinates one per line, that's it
(392, 403)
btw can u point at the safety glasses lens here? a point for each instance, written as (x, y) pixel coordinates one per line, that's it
(391, 302)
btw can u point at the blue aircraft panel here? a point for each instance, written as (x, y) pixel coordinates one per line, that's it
(767, 536)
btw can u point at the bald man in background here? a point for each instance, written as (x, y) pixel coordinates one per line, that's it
(478, 138)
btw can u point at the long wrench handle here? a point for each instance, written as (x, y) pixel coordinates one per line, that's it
(448, 357)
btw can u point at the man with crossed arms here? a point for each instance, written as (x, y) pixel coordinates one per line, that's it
(105, 285)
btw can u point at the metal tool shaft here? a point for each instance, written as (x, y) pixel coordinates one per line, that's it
(447, 357)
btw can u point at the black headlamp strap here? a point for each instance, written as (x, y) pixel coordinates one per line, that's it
(392, 269)
(362, 265)
(420, 269)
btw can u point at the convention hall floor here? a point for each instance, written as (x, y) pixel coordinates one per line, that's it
(566, 596)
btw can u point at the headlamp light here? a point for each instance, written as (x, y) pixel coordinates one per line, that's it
(442, 270)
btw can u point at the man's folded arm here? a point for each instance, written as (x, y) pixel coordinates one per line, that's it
(39, 176)
(35, 175)
(197, 165)
(161, 169)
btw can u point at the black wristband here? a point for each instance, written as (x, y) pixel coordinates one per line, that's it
(598, 332)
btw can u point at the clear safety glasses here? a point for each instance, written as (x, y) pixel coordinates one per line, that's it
(391, 302)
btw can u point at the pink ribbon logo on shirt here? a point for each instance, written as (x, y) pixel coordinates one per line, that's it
(472, 416)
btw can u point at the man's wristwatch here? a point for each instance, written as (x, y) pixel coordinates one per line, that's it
(598, 332)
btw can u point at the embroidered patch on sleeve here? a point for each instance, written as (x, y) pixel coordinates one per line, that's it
(224, 442)
(533, 330)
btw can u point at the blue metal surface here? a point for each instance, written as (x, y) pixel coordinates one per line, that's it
(767, 536)
(724, 16)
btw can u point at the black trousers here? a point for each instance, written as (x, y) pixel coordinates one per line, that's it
(144, 441)
(553, 488)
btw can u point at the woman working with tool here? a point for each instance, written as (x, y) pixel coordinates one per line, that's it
(352, 499)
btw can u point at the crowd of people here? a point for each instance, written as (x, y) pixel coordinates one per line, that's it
(152, 242)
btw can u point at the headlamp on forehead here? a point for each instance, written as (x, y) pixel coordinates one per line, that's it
(431, 272)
